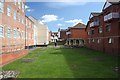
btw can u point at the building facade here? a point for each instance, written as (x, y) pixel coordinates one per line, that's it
(76, 35)
(103, 29)
(29, 35)
(54, 36)
(41, 33)
(12, 26)
(63, 35)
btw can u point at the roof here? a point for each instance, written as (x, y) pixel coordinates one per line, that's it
(29, 18)
(87, 25)
(79, 25)
(108, 3)
(94, 14)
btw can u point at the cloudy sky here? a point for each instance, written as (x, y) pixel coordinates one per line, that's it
(62, 14)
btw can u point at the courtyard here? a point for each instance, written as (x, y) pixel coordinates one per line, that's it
(61, 62)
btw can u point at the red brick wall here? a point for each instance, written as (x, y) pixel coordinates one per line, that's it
(104, 45)
(63, 35)
(7, 58)
(12, 44)
(78, 33)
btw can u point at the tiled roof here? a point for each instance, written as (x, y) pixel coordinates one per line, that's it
(79, 25)
(95, 13)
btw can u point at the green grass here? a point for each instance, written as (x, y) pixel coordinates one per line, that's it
(66, 63)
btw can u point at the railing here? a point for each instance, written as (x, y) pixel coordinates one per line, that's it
(96, 23)
(111, 16)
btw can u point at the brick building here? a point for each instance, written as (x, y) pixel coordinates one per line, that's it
(76, 35)
(105, 36)
(29, 37)
(12, 31)
(63, 35)
(12, 26)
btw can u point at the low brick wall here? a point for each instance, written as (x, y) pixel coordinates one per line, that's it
(9, 57)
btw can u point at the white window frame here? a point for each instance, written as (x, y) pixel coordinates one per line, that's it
(110, 40)
(18, 34)
(2, 6)
(18, 17)
(98, 41)
(23, 35)
(23, 7)
(15, 2)
(100, 30)
(8, 32)
(8, 11)
(93, 40)
(2, 33)
(23, 20)
(19, 4)
(15, 13)
(15, 33)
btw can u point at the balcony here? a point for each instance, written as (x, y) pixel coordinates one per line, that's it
(112, 15)
(95, 23)
(67, 33)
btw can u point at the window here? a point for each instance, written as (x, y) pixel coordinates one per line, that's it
(15, 2)
(93, 40)
(9, 33)
(100, 30)
(88, 32)
(23, 7)
(98, 41)
(14, 15)
(108, 28)
(1, 7)
(23, 20)
(14, 33)
(92, 31)
(18, 17)
(8, 11)
(23, 35)
(19, 1)
(110, 40)
(18, 34)
(1, 31)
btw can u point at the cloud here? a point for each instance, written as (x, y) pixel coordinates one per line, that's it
(49, 18)
(61, 19)
(59, 25)
(41, 22)
(74, 21)
(28, 9)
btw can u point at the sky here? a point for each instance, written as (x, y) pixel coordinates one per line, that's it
(62, 14)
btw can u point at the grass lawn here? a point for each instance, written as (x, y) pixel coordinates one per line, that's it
(65, 63)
